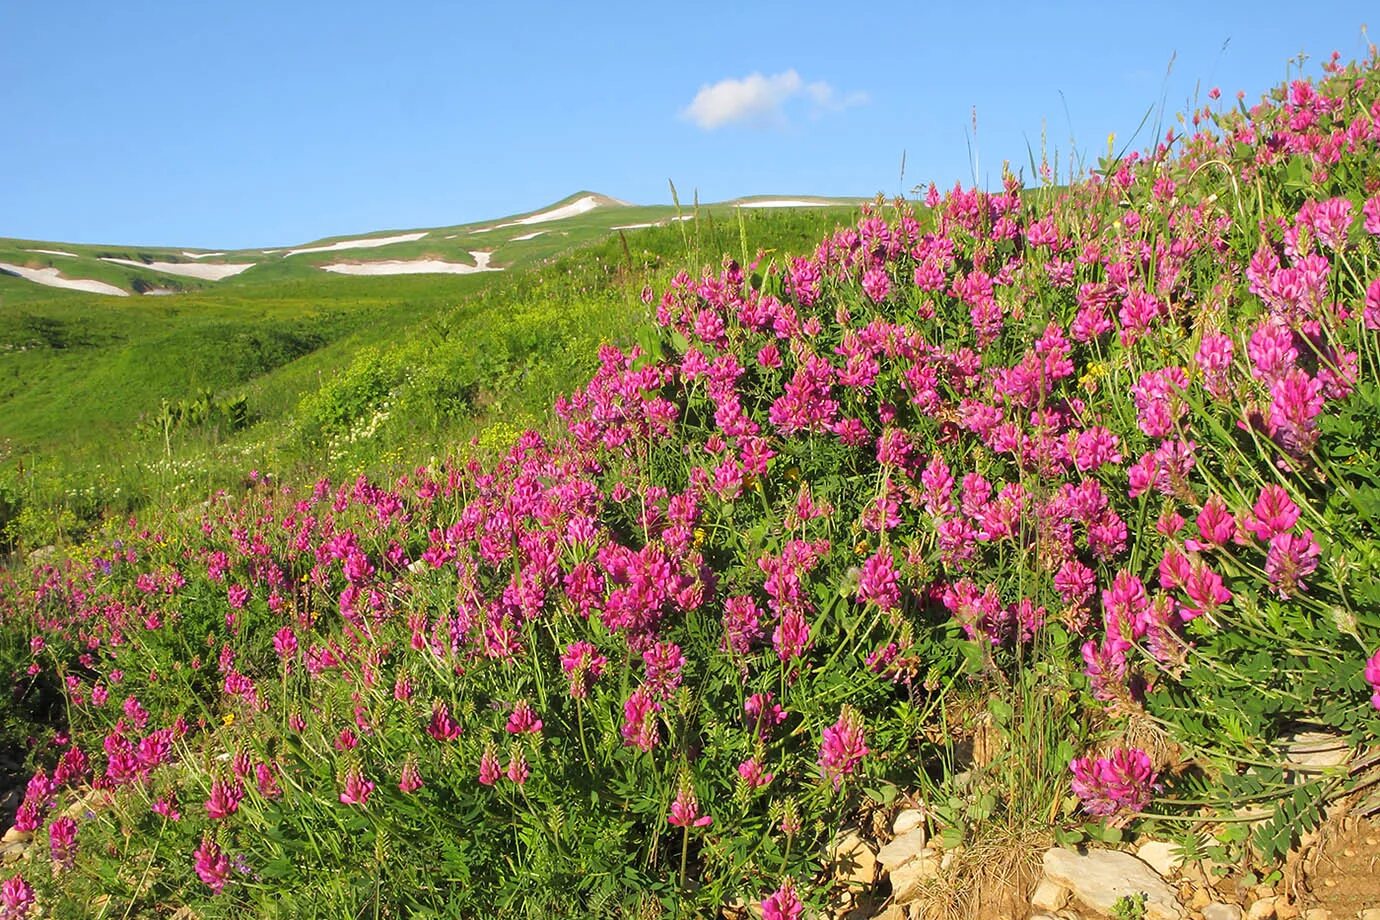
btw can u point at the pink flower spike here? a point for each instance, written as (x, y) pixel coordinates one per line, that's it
(212, 865)
(843, 747)
(685, 810)
(783, 903)
(357, 789)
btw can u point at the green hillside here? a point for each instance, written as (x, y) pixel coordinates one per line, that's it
(183, 384)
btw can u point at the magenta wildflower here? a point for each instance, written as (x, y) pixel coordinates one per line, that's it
(764, 714)
(225, 799)
(212, 865)
(877, 581)
(16, 898)
(664, 663)
(443, 727)
(876, 284)
(1275, 513)
(755, 777)
(517, 770)
(1289, 559)
(1121, 782)
(62, 841)
(639, 720)
(489, 769)
(791, 636)
(843, 746)
(411, 778)
(783, 903)
(357, 789)
(523, 720)
(685, 809)
(1373, 677)
(582, 665)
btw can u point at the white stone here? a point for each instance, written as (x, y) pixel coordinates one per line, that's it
(902, 850)
(1049, 895)
(909, 878)
(1316, 751)
(1162, 856)
(1219, 911)
(1263, 909)
(1099, 878)
(908, 820)
(853, 859)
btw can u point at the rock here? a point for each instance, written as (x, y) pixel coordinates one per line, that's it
(894, 912)
(907, 821)
(1317, 913)
(1370, 913)
(1162, 856)
(853, 859)
(902, 850)
(1049, 895)
(13, 852)
(1313, 752)
(1099, 877)
(15, 835)
(1284, 910)
(909, 878)
(1220, 911)
(1201, 899)
(1263, 909)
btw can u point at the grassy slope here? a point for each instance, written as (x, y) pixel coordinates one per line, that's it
(79, 371)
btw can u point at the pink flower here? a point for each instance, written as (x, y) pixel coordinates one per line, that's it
(443, 727)
(1289, 559)
(411, 778)
(1122, 782)
(843, 746)
(1371, 212)
(582, 665)
(755, 777)
(1275, 513)
(16, 898)
(285, 643)
(523, 720)
(489, 769)
(791, 636)
(266, 777)
(782, 904)
(764, 714)
(639, 720)
(664, 663)
(685, 810)
(1296, 400)
(212, 865)
(517, 769)
(357, 789)
(1373, 677)
(1216, 526)
(225, 799)
(62, 841)
(877, 581)
(876, 284)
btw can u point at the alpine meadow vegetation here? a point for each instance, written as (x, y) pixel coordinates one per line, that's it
(1054, 509)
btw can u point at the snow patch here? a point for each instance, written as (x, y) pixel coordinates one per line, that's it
(53, 278)
(214, 272)
(636, 226)
(578, 206)
(527, 236)
(415, 267)
(53, 252)
(201, 255)
(372, 242)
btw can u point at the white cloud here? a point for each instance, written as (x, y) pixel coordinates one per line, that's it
(760, 100)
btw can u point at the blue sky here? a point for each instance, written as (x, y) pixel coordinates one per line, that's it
(221, 124)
